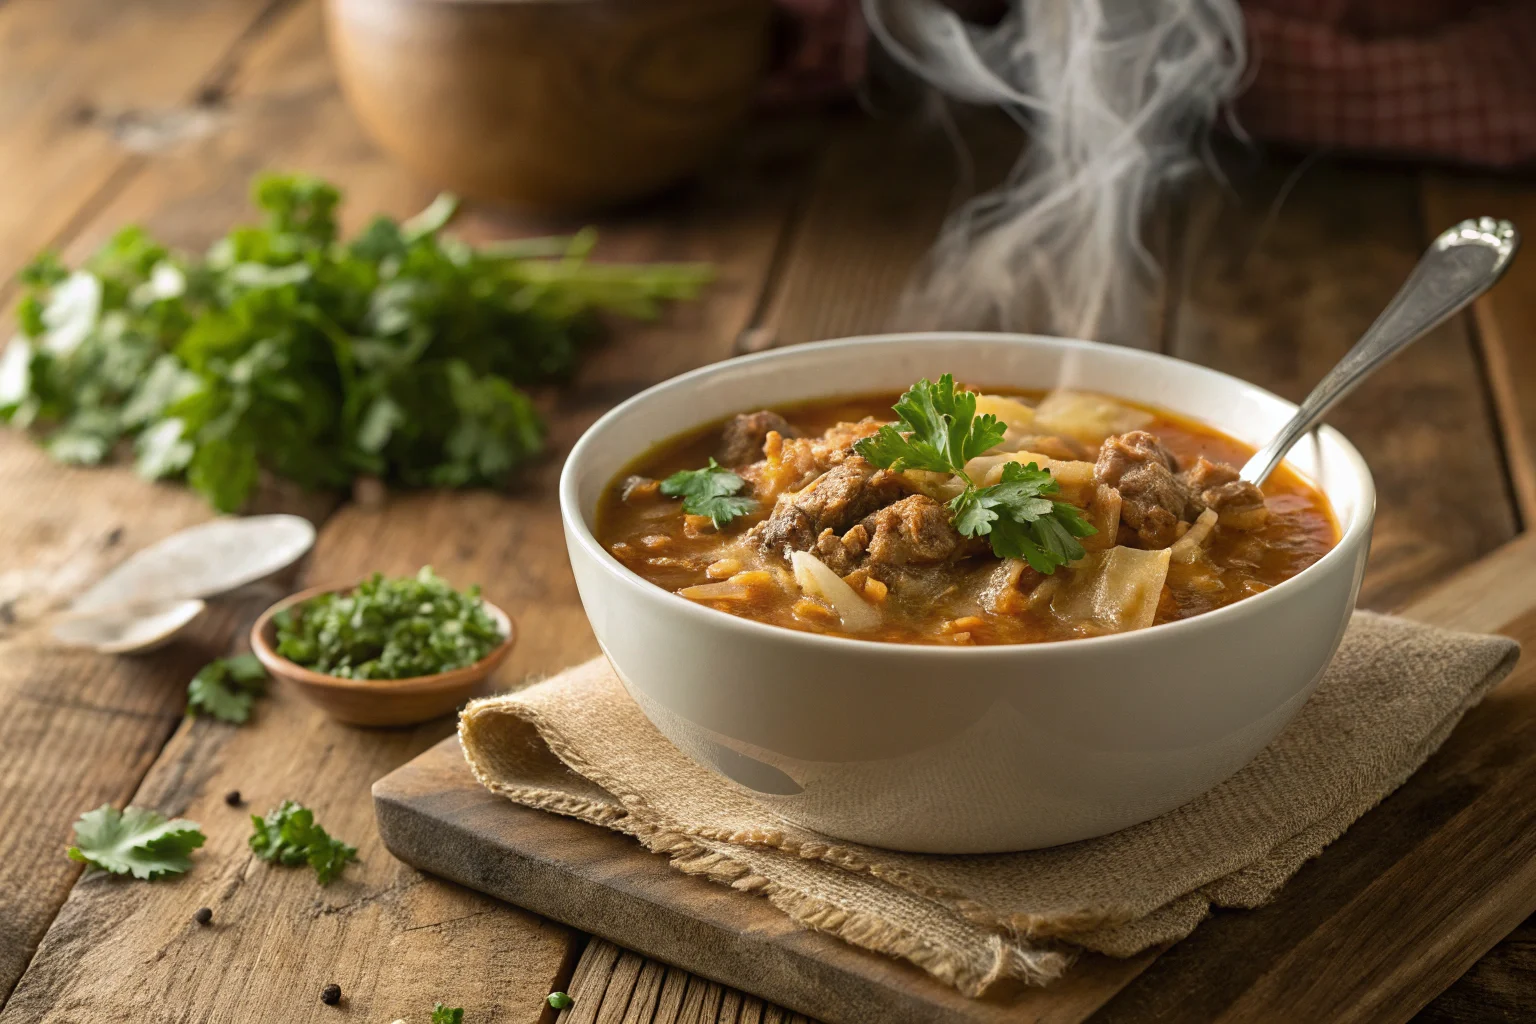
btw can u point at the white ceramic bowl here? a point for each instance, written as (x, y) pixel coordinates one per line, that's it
(966, 749)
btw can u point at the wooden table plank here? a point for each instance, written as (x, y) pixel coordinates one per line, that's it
(77, 77)
(65, 526)
(1278, 284)
(865, 228)
(1505, 317)
(283, 110)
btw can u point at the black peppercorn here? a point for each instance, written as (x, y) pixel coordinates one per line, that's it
(203, 915)
(232, 798)
(330, 995)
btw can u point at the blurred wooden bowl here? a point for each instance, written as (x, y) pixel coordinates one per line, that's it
(378, 701)
(559, 106)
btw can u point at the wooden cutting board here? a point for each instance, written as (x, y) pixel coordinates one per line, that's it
(1388, 916)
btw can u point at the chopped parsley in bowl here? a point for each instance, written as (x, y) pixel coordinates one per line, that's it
(389, 628)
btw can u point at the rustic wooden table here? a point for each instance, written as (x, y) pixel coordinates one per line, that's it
(160, 111)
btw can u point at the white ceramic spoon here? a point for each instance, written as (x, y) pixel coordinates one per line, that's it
(154, 594)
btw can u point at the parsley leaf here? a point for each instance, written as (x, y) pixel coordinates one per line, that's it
(401, 353)
(1022, 524)
(709, 492)
(135, 841)
(289, 836)
(443, 1015)
(227, 688)
(940, 432)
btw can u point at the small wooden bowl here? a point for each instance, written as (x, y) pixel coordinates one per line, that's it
(378, 701)
(557, 106)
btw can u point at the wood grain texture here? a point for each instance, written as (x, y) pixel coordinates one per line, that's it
(1505, 318)
(881, 190)
(89, 86)
(282, 110)
(1498, 988)
(1279, 278)
(63, 527)
(78, 729)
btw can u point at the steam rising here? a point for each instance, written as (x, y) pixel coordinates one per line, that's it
(1116, 97)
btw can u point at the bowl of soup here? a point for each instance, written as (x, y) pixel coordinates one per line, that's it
(800, 594)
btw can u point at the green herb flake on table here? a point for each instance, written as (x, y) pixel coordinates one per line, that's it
(289, 836)
(227, 688)
(389, 628)
(135, 841)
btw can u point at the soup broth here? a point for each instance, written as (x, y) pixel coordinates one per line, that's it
(1176, 534)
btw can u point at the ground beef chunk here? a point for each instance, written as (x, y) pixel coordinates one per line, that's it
(742, 439)
(791, 463)
(915, 530)
(1153, 499)
(1216, 485)
(842, 553)
(836, 500)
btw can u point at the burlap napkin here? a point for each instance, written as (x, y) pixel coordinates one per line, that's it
(577, 745)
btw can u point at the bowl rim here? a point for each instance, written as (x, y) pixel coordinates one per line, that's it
(1351, 537)
(266, 652)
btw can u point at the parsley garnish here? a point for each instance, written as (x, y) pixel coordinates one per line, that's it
(227, 688)
(710, 491)
(389, 628)
(443, 1015)
(399, 353)
(940, 432)
(135, 841)
(289, 836)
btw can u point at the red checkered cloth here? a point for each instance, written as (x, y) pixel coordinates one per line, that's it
(1451, 80)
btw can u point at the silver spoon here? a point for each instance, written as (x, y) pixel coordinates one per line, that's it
(1459, 266)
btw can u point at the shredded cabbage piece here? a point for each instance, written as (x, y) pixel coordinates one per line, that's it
(1113, 591)
(1187, 548)
(817, 579)
(1087, 417)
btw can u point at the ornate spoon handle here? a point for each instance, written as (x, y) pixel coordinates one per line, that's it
(1459, 266)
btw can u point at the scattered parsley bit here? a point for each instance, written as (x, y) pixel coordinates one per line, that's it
(399, 354)
(289, 836)
(135, 841)
(710, 491)
(393, 628)
(227, 688)
(443, 1015)
(940, 432)
(559, 1000)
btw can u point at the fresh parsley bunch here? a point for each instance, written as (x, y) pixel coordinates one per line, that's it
(939, 431)
(400, 354)
(289, 836)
